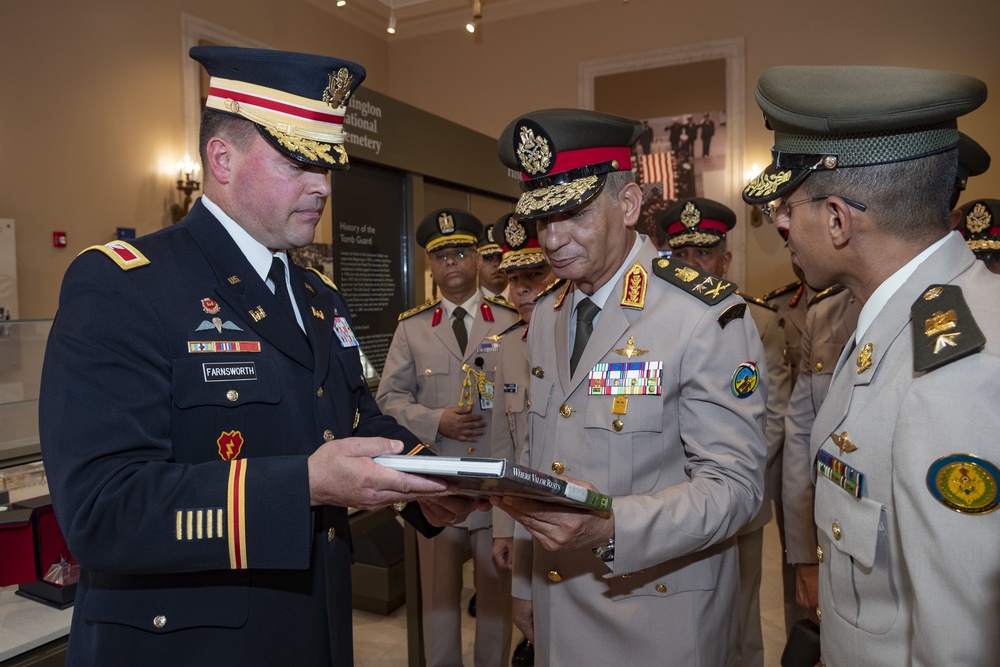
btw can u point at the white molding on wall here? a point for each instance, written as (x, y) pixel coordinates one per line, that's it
(194, 30)
(732, 51)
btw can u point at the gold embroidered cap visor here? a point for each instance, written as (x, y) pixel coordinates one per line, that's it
(980, 225)
(827, 118)
(564, 156)
(296, 101)
(520, 243)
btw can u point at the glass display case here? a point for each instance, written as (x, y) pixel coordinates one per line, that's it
(22, 348)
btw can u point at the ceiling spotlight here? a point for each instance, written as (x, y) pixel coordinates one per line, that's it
(477, 14)
(391, 28)
(341, 3)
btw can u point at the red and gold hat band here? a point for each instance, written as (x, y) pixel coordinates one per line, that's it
(290, 114)
(585, 157)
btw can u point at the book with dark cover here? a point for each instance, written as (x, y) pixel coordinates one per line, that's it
(498, 477)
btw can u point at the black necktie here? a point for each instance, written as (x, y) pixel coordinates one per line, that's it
(458, 325)
(586, 311)
(277, 276)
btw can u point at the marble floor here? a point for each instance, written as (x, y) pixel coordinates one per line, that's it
(380, 641)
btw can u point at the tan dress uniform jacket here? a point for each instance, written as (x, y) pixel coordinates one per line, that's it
(791, 301)
(509, 439)
(903, 579)
(685, 470)
(830, 324)
(422, 376)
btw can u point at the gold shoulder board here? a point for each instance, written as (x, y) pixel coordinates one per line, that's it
(322, 276)
(419, 309)
(124, 254)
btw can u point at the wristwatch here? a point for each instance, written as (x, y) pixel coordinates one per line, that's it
(606, 551)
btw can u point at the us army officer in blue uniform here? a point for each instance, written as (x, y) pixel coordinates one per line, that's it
(201, 439)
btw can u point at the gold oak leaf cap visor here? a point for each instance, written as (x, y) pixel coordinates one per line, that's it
(520, 244)
(697, 221)
(833, 117)
(980, 225)
(565, 156)
(297, 101)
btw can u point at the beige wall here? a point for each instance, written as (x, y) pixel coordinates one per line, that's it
(510, 67)
(91, 113)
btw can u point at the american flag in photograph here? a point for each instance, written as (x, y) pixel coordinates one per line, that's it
(659, 168)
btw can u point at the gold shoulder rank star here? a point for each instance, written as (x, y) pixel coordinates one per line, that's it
(843, 442)
(630, 350)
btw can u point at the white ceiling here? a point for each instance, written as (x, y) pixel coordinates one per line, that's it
(424, 17)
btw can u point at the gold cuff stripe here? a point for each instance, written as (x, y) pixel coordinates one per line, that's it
(236, 520)
(198, 524)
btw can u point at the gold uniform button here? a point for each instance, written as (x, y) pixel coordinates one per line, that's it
(319, 393)
(510, 410)
(233, 395)
(565, 410)
(529, 403)
(330, 534)
(538, 372)
(617, 425)
(836, 531)
(819, 615)
(819, 366)
(554, 577)
(327, 435)
(159, 621)
(427, 371)
(819, 553)
(558, 468)
(660, 588)
(469, 450)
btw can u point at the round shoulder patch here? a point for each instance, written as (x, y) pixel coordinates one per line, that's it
(964, 483)
(745, 379)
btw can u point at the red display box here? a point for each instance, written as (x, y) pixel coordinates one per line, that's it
(49, 548)
(17, 547)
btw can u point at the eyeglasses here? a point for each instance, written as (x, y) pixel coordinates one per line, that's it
(457, 254)
(779, 209)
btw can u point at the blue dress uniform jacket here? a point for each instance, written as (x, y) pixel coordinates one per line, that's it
(903, 579)
(685, 468)
(179, 405)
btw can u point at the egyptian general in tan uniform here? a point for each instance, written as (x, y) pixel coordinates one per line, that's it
(661, 406)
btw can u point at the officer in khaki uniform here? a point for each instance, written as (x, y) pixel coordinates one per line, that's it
(791, 302)
(903, 451)
(661, 406)
(492, 281)
(442, 388)
(528, 273)
(832, 319)
(696, 232)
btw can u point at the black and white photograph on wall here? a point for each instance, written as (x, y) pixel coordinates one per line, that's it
(679, 156)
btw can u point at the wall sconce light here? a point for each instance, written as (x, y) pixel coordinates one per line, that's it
(756, 217)
(187, 182)
(477, 15)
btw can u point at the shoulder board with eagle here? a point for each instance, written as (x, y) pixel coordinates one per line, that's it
(419, 309)
(785, 289)
(503, 303)
(943, 328)
(759, 302)
(125, 255)
(705, 287)
(828, 292)
(322, 276)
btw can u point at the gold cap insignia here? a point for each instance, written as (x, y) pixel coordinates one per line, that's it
(690, 216)
(446, 223)
(339, 88)
(978, 219)
(865, 358)
(533, 153)
(515, 234)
